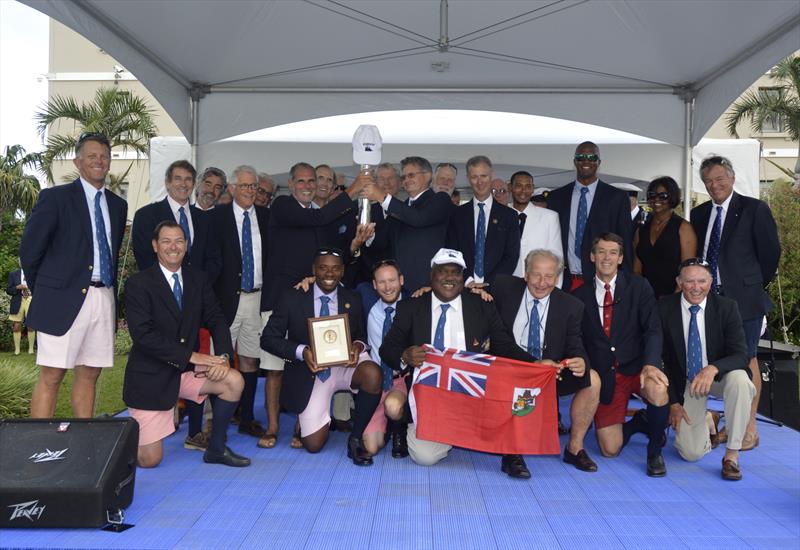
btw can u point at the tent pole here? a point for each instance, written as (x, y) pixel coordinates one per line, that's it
(688, 121)
(195, 105)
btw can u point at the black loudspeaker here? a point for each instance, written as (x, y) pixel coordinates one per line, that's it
(780, 394)
(66, 473)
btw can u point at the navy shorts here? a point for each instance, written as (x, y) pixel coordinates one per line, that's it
(752, 333)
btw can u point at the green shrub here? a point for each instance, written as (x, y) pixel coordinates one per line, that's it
(17, 379)
(785, 205)
(122, 342)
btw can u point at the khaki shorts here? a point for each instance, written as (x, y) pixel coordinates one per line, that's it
(20, 316)
(269, 361)
(246, 326)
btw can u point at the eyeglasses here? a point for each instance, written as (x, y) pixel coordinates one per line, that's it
(246, 186)
(652, 195)
(262, 191)
(695, 261)
(499, 191)
(590, 157)
(410, 175)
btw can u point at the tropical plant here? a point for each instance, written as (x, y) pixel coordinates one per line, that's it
(18, 190)
(785, 290)
(779, 104)
(124, 118)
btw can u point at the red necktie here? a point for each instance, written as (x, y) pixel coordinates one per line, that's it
(607, 307)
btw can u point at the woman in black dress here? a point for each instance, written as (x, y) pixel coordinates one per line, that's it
(665, 239)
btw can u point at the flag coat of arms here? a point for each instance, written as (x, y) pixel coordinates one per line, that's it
(485, 403)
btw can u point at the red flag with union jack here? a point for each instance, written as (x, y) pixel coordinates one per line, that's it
(485, 403)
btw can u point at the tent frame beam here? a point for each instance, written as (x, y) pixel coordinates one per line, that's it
(267, 89)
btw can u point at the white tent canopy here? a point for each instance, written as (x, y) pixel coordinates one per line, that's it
(224, 68)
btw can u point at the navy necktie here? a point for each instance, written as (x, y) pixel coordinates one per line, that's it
(534, 340)
(387, 370)
(184, 223)
(177, 290)
(522, 217)
(712, 254)
(438, 336)
(694, 350)
(247, 254)
(580, 222)
(102, 241)
(324, 311)
(480, 241)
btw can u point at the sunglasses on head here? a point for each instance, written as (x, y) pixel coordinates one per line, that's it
(329, 252)
(689, 262)
(652, 195)
(590, 157)
(715, 161)
(93, 136)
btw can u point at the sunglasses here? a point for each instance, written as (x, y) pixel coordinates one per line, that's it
(652, 195)
(590, 157)
(411, 175)
(339, 188)
(715, 161)
(329, 252)
(93, 136)
(385, 263)
(689, 262)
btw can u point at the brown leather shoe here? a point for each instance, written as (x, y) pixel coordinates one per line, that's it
(715, 416)
(580, 460)
(730, 470)
(750, 442)
(722, 435)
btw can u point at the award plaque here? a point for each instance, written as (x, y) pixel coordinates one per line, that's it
(329, 338)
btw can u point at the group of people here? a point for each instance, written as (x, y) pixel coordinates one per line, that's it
(668, 310)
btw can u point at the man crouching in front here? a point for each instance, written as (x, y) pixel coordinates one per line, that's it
(166, 305)
(307, 387)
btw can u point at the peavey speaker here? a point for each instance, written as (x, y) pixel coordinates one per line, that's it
(66, 473)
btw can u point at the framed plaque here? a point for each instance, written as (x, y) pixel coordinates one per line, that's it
(329, 338)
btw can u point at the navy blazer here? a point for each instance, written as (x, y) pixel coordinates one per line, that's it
(165, 336)
(610, 212)
(415, 233)
(14, 279)
(635, 330)
(484, 331)
(288, 328)
(201, 255)
(225, 238)
(749, 251)
(502, 239)
(57, 253)
(725, 344)
(297, 233)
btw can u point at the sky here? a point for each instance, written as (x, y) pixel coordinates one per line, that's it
(23, 63)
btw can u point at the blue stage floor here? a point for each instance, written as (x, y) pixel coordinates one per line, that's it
(290, 499)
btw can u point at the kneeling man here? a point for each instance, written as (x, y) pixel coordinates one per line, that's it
(705, 351)
(307, 389)
(166, 306)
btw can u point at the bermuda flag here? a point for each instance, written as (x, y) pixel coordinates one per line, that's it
(485, 403)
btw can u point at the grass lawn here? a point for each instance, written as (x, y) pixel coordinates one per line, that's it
(109, 386)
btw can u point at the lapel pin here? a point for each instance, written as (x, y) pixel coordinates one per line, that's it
(347, 305)
(494, 220)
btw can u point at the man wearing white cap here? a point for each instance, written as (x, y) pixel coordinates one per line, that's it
(447, 318)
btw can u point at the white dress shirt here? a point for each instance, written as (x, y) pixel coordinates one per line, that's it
(573, 260)
(377, 314)
(175, 206)
(238, 215)
(168, 276)
(454, 325)
(711, 221)
(523, 318)
(542, 230)
(600, 293)
(91, 191)
(686, 317)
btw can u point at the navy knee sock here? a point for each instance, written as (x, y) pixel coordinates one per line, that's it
(366, 403)
(223, 412)
(657, 419)
(248, 396)
(194, 414)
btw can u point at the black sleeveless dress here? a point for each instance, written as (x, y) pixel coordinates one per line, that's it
(660, 261)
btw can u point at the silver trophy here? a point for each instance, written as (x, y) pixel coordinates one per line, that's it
(364, 210)
(367, 145)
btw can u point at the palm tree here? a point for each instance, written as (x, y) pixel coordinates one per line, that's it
(124, 118)
(780, 104)
(18, 190)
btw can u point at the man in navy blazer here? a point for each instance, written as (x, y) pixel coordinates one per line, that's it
(307, 388)
(69, 252)
(586, 208)
(167, 303)
(738, 236)
(485, 231)
(699, 362)
(20, 294)
(622, 335)
(535, 304)
(179, 183)
(415, 229)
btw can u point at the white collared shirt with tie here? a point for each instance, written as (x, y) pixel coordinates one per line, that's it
(454, 325)
(238, 215)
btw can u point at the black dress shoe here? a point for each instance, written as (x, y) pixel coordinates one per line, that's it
(562, 428)
(252, 428)
(514, 466)
(656, 466)
(580, 460)
(357, 452)
(228, 458)
(341, 425)
(399, 444)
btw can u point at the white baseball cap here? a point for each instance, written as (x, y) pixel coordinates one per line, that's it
(367, 145)
(448, 256)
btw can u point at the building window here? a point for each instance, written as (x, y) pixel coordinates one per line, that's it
(773, 124)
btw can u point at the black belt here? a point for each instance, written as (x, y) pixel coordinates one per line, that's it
(243, 291)
(98, 284)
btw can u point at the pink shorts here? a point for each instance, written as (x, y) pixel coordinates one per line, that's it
(316, 415)
(377, 424)
(156, 425)
(90, 339)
